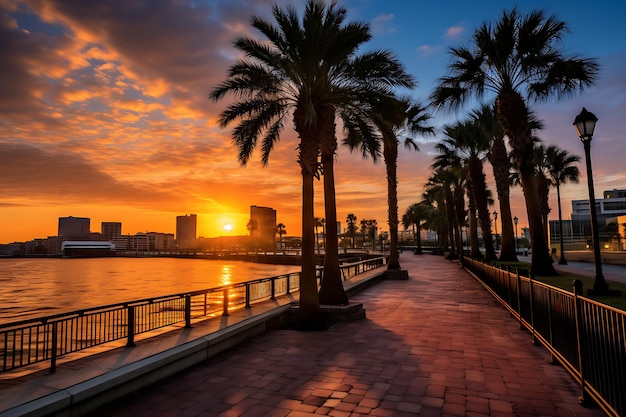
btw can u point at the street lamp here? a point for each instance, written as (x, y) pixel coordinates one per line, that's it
(495, 223)
(515, 220)
(585, 123)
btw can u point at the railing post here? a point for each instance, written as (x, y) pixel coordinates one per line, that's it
(273, 297)
(531, 276)
(225, 305)
(519, 299)
(578, 290)
(288, 283)
(188, 311)
(55, 344)
(508, 283)
(247, 295)
(131, 326)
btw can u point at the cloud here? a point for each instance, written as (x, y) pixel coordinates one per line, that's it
(382, 24)
(428, 50)
(454, 32)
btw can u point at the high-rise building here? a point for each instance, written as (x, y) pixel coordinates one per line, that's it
(264, 229)
(111, 229)
(186, 231)
(74, 227)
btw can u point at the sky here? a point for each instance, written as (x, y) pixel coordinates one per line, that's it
(105, 111)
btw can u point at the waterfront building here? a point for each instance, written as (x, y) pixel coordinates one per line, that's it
(577, 229)
(265, 231)
(186, 227)
(74, 227)
(110, 230)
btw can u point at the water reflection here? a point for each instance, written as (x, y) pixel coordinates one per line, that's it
(227, 275)
(36, 287)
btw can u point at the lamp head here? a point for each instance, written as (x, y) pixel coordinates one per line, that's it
(515, 219)
(585, 123)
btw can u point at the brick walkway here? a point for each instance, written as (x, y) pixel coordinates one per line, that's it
(435, 345)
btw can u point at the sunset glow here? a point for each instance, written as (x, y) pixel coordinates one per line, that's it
(106, 115)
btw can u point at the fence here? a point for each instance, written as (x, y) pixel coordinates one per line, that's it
(588, 338)
(48, 338)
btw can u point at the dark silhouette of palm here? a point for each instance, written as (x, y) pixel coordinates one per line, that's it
(517, 59)
(562, 170)
(307, 69)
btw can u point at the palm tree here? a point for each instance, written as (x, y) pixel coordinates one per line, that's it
(542, 182)
(469, 142)
(308, 67)
(501, 166)
(413, 119)
(414, 216)
(281, 230)
(517, 56)
(295, 72)
(252, 226)
(351, 228)
(562, 170)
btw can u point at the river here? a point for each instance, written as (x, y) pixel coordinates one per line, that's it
(40, 287)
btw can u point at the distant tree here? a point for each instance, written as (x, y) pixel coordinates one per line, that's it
(562, 170)
(413, 217)
(252, 226)
(281, 230)
(351, 228)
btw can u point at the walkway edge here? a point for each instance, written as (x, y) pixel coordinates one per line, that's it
(84, 397)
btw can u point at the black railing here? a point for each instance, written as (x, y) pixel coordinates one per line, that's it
(587, 337)
(48, 338)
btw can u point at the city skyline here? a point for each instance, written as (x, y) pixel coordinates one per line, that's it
(107, 115)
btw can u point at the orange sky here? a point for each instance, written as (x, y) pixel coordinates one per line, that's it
(105, 115)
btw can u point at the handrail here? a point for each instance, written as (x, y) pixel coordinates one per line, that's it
(48, 338)
(587, 337)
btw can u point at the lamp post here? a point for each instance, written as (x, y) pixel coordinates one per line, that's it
(585, 123)
(495, 223)
(515, 220)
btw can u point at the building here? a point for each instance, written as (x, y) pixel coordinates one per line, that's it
(577, 229)
(145, 242)
(186, 227)
(76, 228)
(110, 230)
(264, 229)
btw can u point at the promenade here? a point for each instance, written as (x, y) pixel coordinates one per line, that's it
(435, 345)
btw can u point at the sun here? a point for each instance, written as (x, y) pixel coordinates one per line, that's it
(228, 227)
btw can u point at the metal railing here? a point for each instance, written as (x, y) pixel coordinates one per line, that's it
(587, 337)
(48, 338)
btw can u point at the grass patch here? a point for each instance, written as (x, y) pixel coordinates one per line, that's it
(565, 281)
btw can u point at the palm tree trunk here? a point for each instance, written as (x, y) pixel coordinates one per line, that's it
(514, 116)
(501, 165)
(473, 225)
(309, 310)
(541, 262)
(451, 216)
(507, 250)
(331, 290)
(390, 153)
(562, 260)
(476, 178)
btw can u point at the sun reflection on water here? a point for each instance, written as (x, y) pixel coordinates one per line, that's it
(226, 275)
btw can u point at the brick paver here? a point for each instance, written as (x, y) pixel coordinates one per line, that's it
(435, 345)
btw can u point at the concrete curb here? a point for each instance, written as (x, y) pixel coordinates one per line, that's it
(85, 397)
